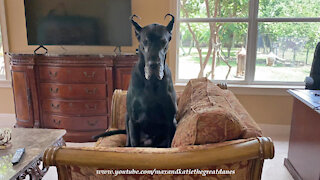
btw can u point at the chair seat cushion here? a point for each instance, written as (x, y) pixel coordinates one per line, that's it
(118, 140)
(205, 115)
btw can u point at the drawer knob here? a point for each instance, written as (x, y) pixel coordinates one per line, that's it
(54, 90)
(53, 74)
(92, 123)
(91, 107)
(55, 106)
(89, 75)
(56, 122)
(91, 91)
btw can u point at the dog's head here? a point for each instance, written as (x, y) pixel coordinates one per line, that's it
(154, 40)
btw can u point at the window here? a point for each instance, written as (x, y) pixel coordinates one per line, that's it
(247, 41)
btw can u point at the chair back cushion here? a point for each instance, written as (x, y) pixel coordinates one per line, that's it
(118, 110)
(205, 115)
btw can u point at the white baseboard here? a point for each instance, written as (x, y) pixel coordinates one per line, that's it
(3, 115)
(7, 120)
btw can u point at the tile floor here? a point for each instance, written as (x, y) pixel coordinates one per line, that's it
(273, 169)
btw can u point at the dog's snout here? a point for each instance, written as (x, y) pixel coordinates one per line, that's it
(155, 58)
(154, 65)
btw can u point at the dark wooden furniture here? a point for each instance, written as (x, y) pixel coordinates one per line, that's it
(71, 92)
(30, 161)
(303, 160)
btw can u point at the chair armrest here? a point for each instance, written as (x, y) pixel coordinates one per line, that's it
(162, 158)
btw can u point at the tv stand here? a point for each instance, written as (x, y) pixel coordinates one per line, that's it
(71, 92)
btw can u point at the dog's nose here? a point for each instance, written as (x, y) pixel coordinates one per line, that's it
(154, 65)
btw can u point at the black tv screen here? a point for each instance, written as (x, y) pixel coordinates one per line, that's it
(78, 22)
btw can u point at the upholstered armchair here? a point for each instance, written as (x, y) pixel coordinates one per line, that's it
(243, 154)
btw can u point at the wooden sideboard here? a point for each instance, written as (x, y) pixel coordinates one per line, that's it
(303, 160)
(71, 92)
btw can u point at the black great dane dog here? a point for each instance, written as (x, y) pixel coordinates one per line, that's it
(151, 98)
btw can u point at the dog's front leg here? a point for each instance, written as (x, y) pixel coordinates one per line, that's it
(172, 130)
(134, 133)
(128, 144)
(170, 108)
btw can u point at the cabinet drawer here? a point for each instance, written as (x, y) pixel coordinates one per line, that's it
(75, 123)
(73, 91)
(72, 75)
(78, 108)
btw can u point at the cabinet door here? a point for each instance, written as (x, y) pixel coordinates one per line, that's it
(123, 77)
(22, 97)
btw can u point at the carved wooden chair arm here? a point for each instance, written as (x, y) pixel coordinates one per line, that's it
(168, 158)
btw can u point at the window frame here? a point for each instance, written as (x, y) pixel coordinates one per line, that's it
(5, 82)
(253, 20)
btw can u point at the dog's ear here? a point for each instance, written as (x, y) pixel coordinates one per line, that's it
(137, 27)
(170, 25)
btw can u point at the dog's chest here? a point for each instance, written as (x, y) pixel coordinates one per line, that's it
(153, 87)
(153, 98)
(153, 103)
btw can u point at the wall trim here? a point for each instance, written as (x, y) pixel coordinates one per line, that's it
(5, 84)
(172, 53)
(5, 39)
(7, 120)
(262, 90)
(7, 115)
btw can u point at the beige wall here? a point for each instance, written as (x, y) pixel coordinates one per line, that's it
(264, 109)
(6, 101)
(268, 109)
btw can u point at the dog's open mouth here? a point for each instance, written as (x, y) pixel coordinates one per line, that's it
(157, 73)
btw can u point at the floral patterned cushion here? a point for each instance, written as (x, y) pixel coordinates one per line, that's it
(118, 109)
(148, 150)
(205, 115)
(118, 140)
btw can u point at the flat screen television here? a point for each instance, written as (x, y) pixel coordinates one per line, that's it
(78, 22)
